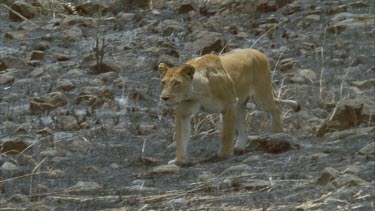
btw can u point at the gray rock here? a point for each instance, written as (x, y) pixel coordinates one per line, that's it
(26, 10)
(77, 20)
(365, 84)
(170, 26)
(369, 149)
(347, 114)
(12, 62)
(37, 72)
(6, 79)
(327, 175)
(18, 198)
(48, 102)
(85, 187)
(205, 42)
(349, 181)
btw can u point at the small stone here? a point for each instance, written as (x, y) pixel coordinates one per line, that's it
(327, 175)
(185, 8)
(164, 169)
(34, 63)
(6, 79)
(8, 167)
(84, 187)
(65, 85)
(13, 146)
(62, 57)
(352, 169)
(114, 166)
(205, 177)
(37, 72)
(68, 123)
(36, 55)
(317, 156)
(80, 145)
(77, 20)
(18, 198)
(238, 170)
(57, 173)
(84, 125)
(16, 35)
(126, 17)
(225, 184)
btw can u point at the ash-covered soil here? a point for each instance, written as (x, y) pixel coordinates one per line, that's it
(81, 126)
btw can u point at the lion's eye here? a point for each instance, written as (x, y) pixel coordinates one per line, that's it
(163, 83)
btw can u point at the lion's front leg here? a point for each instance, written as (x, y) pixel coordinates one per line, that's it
(229, 122)
(183, 130)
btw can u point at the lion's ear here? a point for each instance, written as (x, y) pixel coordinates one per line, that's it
(163, 68)
(188, 70)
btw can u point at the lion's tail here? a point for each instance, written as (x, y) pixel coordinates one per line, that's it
(292, 103)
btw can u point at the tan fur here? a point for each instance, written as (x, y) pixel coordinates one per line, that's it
(220, 84)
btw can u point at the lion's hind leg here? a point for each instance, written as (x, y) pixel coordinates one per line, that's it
(241, 128)
(266, 101)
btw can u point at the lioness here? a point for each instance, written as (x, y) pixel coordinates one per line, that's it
(220, 84)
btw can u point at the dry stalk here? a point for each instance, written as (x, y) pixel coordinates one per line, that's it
(277, 63)
(343, 79)
(33, 173)
(323, 63)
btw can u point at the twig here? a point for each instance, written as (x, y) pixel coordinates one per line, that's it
(225, 46)
(19, 15)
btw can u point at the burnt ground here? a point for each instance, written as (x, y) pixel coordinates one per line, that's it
(77, 137)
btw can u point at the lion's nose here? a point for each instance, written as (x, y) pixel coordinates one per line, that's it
(165, 98)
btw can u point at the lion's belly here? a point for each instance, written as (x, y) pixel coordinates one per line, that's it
(211, 106)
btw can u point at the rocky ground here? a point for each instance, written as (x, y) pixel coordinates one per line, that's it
(81, 127)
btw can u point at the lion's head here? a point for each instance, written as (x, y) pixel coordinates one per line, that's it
(176, 83)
